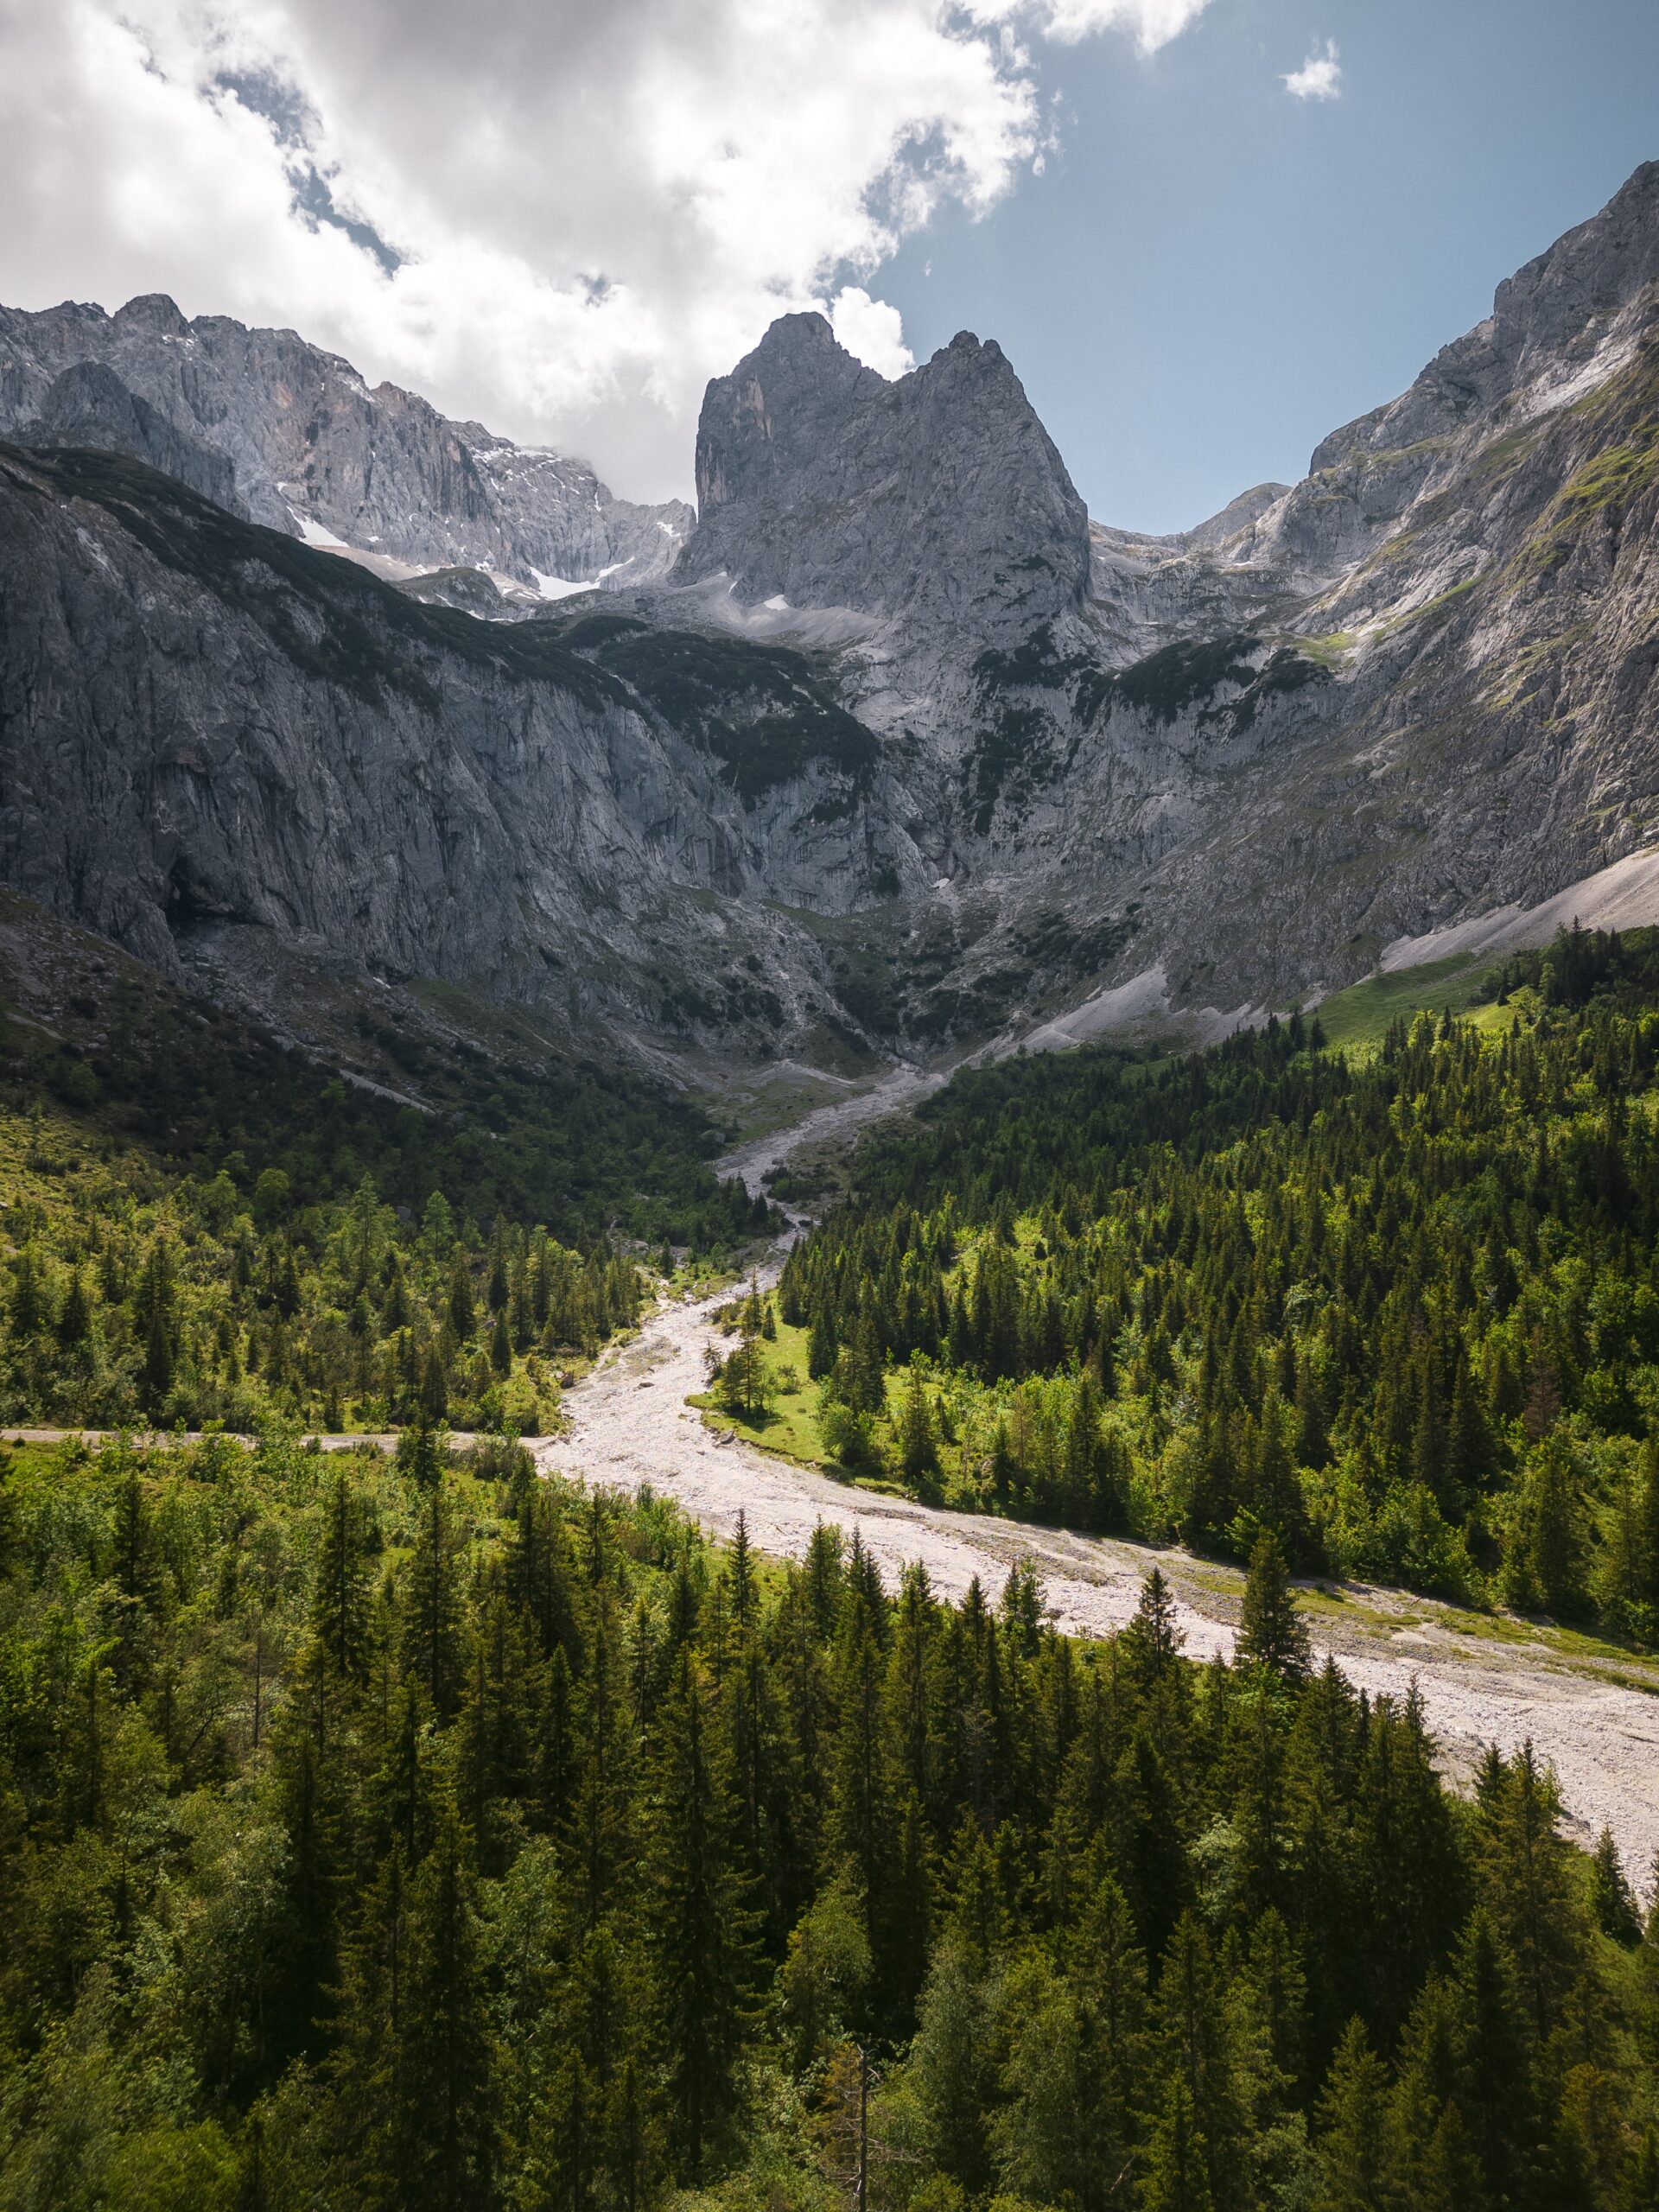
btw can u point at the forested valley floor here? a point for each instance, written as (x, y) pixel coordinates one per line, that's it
(411, 1829)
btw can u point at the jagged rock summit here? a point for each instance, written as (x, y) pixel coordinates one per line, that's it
(938, 496)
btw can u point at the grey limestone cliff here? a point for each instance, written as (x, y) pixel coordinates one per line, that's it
(89, 408)
(904, 750)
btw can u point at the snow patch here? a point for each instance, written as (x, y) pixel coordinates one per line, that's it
(558, 587)
(314, 533)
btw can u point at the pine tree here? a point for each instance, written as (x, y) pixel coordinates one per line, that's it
(1152, 1640)
(1613, 1903)
(1545, 1559)
(1271, 1633)
(821, 1347)
(75, 1314)
(27, 1295)
(1648, 1479)
(429, 1637)
(1178, 2158)
(339, 1596)
(1356, 2145)
(462, 1310)
(440, 2144)
(918, 1450)
(1533, 1899)
(156, 1378)
(498, 1288)
(1312, 1448)
(701, 1924)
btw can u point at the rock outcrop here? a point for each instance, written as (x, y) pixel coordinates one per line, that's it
(89, 408)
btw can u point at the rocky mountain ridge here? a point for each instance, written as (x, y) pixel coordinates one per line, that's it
(317, 454)
(903, 752)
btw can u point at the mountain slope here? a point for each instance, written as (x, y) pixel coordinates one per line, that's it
(905, 753)
(208, 728)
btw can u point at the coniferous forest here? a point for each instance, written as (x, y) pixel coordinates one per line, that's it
(202, 1228)
(394, 1828)
(434, 1835)
(1402, 1309)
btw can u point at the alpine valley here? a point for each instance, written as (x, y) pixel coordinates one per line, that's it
(1115, 1669)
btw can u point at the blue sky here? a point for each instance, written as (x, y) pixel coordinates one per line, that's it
(1210, 274)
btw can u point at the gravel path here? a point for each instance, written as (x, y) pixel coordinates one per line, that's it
(1597, 1723)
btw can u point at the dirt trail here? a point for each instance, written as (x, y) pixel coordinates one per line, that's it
(1596, 1720)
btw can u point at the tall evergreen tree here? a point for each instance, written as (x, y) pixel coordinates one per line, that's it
(1271, 1633)
(701, 1923)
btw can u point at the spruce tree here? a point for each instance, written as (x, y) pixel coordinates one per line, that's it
(918, 1450)
(1612, 1902)
(701, 1924)
(339, 1592)
(1178, 2165)
(429, 1637)
(1271, 1633)
(1152, 1642)
(1355, 2141)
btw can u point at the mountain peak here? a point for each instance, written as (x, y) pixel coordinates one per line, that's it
(807, 327)
(154, 312)
(1548, 320)
(935, 494)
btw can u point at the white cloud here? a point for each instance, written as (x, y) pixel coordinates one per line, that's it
(585, 210)
(871, 330)
(1319, 77)
(1150, 23)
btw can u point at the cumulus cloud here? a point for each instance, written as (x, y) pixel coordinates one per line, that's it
(1319, 77)
(557, 217)
(872, 330)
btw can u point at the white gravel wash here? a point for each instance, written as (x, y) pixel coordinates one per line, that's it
(629, 1426)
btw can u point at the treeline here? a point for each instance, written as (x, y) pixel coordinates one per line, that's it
(206, 1302)
(373, 1842)
(1403, 1312)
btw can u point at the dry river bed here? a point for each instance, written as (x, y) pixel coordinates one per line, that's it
(1591, 1712)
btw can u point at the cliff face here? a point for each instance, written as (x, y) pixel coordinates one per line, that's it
(88, 409)
(205, 724)
(904, 750)
(313, 450)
